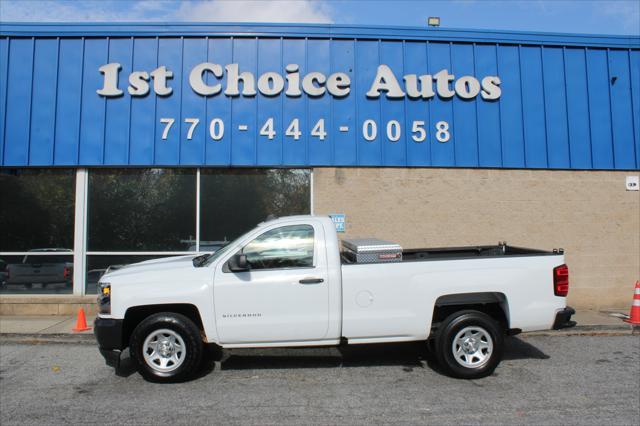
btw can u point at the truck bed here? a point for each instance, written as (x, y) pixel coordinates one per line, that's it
(452, 253)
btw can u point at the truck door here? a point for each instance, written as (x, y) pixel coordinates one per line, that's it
(284, 296)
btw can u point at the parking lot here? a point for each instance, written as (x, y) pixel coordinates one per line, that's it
(543, 380)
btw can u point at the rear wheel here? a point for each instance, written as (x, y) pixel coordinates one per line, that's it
(469, 344)
(167, 347)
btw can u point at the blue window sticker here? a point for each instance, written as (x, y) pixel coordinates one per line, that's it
(338, 220)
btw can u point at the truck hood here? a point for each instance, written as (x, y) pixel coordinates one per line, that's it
(154, 265)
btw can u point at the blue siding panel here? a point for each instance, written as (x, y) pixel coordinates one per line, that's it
(18, 112)
(143, 120)
(489, 137)
(394, 153)
(578, 108)
(465, 111)
(533, 113)
(417, 110)
(116, 141)
(343, 109)
(555, 107)
(442, 154)
(294, 152)
(43, 98)
(218, 151)
(634, 66)
(567, 101)
(511, 126)
(243, 149)
(367, 61)
(243, 152)
(621, 110)
(193, 105)
(270, 60)
(96, 52)
(167, 151)
(69, 102)
(4, 71)
(320, 152)
(600, 109)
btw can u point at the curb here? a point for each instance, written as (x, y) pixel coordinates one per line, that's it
(38, 339)
(89, 338)
(589, 330)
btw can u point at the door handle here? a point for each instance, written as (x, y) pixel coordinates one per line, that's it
(311, 281)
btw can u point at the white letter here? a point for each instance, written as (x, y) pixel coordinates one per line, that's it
(293, 80)
(110, 87)
(310, 88)
(160, 76)
(233, 78)
(490, 88)
(385, 80)
(443, 78)
(197, 82)
(138, 85)
(338, 84)
(426, 86)
(467, 87)
(270, 84)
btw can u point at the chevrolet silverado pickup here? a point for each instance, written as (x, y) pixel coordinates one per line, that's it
(291, 282)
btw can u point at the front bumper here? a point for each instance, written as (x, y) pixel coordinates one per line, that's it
(563, 318)
(108, 333)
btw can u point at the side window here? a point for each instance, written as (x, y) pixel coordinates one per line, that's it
(284, 247)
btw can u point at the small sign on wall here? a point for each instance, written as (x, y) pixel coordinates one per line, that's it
(633, 183)
(339, 221)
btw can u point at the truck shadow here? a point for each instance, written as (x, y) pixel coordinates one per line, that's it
(407, 355)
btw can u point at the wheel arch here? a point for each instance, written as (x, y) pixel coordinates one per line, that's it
(494, 304)
(136, 314)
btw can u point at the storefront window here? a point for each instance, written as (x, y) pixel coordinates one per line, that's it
(142, 210)
(37, 209)
(234, 201)
(36, 231)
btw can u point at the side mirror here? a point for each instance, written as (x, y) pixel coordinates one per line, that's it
(238, 263)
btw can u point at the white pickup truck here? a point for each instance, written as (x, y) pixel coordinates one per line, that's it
(288, 282)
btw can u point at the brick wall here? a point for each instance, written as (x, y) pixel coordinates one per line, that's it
(588, 213)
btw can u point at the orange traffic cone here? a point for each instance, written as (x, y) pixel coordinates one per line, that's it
(81, 323)
(634, 315)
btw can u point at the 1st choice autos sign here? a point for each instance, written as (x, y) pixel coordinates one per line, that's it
(211, 79)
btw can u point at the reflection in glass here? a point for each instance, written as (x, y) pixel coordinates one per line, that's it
(235, 201)
(142, 210)
(37, 209)
(97, 265)
(37, 272)
(284, 247)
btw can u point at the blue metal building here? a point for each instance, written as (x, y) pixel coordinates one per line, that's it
(565, 101)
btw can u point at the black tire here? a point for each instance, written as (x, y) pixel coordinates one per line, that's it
(475, 364)
(178, 325)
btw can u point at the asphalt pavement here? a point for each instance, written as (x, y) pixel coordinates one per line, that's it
(557, 379)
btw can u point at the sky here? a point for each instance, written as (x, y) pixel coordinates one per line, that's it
(619, 17)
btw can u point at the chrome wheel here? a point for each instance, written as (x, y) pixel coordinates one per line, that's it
(472, 347)
(164, 350)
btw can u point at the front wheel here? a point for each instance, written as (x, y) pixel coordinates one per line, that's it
(167, 347)
(469, 345)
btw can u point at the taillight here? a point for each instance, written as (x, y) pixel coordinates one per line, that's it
(561, 280)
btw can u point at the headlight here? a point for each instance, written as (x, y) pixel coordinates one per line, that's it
(104, 298)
